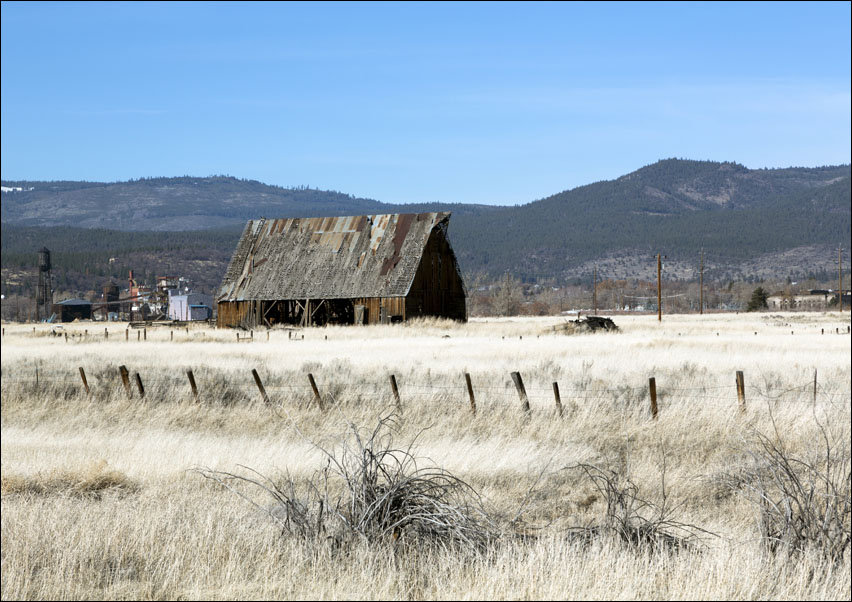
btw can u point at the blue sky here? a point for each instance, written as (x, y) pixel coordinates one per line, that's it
(478, 103)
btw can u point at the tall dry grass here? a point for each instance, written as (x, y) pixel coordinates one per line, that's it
(100, 499)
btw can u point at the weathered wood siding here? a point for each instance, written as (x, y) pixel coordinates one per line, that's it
(437, 289)
(232, 313)
(394, 308)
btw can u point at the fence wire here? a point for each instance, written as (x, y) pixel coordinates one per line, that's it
(212, 388)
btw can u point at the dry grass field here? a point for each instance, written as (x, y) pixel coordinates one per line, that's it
(110, 496)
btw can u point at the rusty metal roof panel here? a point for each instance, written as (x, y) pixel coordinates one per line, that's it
(328, 258)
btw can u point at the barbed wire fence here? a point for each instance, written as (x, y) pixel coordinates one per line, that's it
(468, 393)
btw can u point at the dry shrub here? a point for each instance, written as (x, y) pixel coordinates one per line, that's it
(370, 490)
(91, 481)
(803, 503)
(634, 520)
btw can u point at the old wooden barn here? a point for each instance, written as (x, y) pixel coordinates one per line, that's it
(364, 269)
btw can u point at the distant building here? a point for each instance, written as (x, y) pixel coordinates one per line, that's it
(73, 309)
(189, 306)
(814, 299)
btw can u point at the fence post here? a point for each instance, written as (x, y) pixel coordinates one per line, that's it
(106, 334)
(139, 385)
(522, 392)
(652, 389)
(138, 335)
(395, 392)
(171, 335)
(470, 392)
(259, 385)
(85, 382)
(557, 398)
(316, 392)
(192, 384)
(145, 334)
(127, 334)
(741, 390)
(125, 380)
(815, 385)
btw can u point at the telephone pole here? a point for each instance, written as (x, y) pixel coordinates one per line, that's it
(840, 278)
(701, 284)
(659, 289)
(595, 291)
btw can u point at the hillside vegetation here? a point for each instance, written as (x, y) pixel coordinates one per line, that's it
(760, 223)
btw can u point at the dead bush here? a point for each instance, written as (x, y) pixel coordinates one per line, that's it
(636, 521)
(802, 503)
(371, 490)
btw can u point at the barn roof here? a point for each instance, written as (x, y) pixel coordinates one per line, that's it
(329, 257)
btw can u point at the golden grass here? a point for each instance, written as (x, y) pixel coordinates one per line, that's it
(91, 480)
(99, 499)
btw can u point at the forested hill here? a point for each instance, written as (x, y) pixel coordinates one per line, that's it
(780, 220)
(672, 207)
(176, 204)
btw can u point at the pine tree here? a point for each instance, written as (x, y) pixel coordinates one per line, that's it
(758, 299)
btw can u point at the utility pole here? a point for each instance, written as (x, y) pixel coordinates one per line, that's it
(840, 278)
(508, 294)
(595, 291)
(701, 285)
(659, 288)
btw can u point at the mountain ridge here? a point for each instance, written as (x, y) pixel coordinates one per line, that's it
(672, 206)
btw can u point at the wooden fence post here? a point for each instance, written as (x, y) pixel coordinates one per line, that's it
(138, 335)
(395, 392)
(125, 380)
(652, 389)
(259, 385)
(470, 392)
(815, 385)
(139, 385)
(85, 382)
(106, 334)
(316, 392)
(192, 384)
(127, 334)
(145, 333)
(557, 398)
(171, 335)
(741, 390)
(522, 392)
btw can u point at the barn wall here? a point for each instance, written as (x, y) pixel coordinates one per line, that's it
(437, 289)
(231, 313)
(394, 308)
